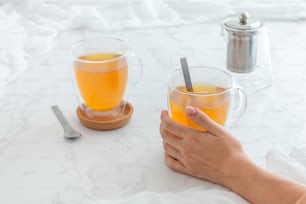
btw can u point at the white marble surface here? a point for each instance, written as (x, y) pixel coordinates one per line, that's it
(37, 165)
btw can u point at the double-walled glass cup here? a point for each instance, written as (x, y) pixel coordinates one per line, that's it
(214, 93)
(101, 68)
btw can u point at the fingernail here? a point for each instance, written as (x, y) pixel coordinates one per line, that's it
(190, 110)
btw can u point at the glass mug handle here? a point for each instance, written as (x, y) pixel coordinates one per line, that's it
(136, 67)
(134, 73)
(239, 104)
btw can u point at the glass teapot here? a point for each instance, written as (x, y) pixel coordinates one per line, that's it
(248, 55)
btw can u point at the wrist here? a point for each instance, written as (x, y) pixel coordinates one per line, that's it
(235, 169)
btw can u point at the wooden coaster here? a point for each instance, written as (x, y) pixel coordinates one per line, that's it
(104, 125)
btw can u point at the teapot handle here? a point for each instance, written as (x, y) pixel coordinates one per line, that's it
(223, 33)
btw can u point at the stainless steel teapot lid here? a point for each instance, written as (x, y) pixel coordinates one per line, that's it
(243, 22)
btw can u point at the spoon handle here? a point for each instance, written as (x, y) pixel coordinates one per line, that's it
(186, 74)
(61, 117)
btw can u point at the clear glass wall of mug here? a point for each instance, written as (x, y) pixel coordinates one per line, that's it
(214, 93)
(101, 69)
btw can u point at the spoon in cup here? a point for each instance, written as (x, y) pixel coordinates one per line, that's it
(186, 74)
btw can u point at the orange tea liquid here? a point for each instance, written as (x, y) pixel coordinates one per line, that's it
(216, 106)
(102, 81)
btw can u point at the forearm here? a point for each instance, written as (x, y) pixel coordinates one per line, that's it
(259, 186)
(302, 200)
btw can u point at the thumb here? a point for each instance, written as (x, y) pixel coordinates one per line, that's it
(204, 121)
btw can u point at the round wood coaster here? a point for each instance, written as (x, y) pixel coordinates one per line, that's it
(104, 125)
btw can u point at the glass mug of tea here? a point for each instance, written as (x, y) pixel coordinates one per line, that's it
(101, 69)
(214, 93)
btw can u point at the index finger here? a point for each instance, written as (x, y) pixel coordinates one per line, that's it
(176, 128)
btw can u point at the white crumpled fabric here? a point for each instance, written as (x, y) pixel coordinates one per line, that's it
(28, 29)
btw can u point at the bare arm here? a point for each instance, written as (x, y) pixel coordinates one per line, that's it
(260, 186)
(302, 200)
(217, 156)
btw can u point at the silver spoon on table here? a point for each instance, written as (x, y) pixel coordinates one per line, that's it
(69, 132)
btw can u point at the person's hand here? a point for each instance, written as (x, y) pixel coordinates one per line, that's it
(218, 157)
(209, 155)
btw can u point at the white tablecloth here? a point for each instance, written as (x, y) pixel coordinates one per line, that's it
(126, 166)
